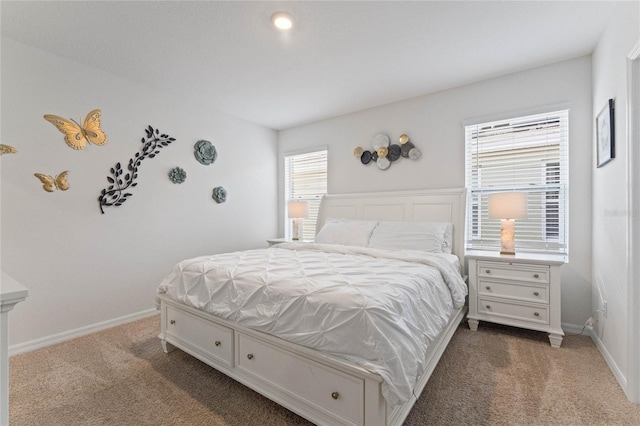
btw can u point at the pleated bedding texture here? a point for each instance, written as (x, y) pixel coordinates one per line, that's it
(379, 309)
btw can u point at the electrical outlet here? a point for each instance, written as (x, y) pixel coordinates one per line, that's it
(604, 308)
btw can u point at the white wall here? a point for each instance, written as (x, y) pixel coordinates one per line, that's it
(82, 267)
(610, 186)
(435, 124)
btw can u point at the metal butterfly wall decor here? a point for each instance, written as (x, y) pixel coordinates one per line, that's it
(50, 184)
(77, 136)
(7, 149)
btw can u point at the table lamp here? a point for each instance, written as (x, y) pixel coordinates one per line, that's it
(507, 206)
(297, 210)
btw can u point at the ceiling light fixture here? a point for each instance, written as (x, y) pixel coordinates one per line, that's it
(282, 21)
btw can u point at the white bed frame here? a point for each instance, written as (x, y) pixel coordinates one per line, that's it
(323, 389)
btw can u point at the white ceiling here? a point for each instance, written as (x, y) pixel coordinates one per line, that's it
(340, 56)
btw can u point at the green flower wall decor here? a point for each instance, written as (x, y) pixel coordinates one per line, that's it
(205, 152)
(219, 194)
(177, 175)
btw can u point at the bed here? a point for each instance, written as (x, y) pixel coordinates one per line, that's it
(342, 331)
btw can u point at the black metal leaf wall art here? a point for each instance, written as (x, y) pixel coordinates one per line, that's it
(115, 194)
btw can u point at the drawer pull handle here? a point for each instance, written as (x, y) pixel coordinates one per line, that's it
(335, 395)
(172, 322)
(536, 276)
(536, 314)
(488, 306)
(535, 293)
(218, 343)
(488, 271)
(250, 356)
(488, 287)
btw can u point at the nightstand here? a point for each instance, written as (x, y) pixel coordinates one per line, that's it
(521, 290)
(273, 241)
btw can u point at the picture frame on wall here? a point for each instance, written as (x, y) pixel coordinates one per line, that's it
(605, 135)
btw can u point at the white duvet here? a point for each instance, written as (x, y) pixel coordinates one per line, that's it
(379, 309)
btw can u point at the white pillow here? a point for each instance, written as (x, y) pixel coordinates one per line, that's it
(433, 237)
(448, 238)
(346, 232)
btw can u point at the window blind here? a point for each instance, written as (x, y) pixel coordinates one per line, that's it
(528, 154)
(305, 178)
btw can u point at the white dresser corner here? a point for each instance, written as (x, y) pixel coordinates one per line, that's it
(11, 293)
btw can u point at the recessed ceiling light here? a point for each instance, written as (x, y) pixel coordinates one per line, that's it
(282, 20)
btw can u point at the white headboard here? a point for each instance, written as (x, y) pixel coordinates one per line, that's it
(435, 205)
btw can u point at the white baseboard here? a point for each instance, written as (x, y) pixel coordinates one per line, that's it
(617, 373)
(575, 329)
(43, 342)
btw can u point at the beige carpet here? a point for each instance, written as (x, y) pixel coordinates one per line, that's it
(495, 376)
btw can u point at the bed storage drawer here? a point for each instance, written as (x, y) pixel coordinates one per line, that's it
(209, 339)
(327, 389)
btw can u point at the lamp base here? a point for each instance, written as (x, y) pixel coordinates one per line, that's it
(507, 237)
(297, 229)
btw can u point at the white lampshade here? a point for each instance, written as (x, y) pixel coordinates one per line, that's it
(298, 209)
(508, 205)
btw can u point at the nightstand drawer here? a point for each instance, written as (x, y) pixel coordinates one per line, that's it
(514, 290)
(492, 307)
(514, 271)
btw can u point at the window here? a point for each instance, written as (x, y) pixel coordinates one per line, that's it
(527, 154)
(305, 178)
